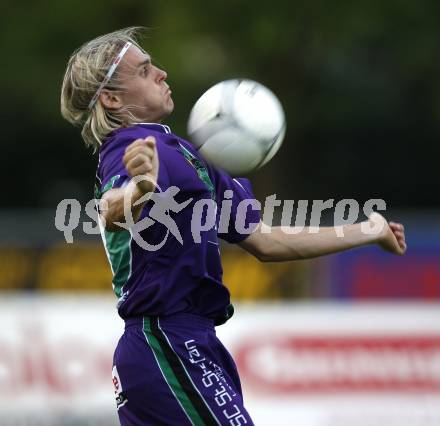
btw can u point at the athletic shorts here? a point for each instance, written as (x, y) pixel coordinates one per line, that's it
(175, 371)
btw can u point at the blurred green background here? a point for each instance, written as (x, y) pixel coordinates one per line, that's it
(358, 80)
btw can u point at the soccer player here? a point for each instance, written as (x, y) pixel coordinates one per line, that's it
(169, 366)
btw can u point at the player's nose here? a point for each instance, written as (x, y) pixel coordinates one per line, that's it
(162, 75)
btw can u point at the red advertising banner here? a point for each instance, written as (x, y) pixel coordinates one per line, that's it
(341, 364)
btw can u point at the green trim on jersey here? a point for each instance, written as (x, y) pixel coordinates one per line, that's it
(107, 186)
(118, 248)
(200, 169)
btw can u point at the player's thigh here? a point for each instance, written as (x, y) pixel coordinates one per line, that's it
(212, 384)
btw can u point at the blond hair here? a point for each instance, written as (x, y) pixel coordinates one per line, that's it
(86, 69)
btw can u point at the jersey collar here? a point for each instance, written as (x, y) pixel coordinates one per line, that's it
(155, 126)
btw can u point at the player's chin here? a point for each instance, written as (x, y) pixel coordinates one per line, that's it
(169, 106)
(165, 111)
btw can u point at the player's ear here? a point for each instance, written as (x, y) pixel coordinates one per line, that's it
(110, 99)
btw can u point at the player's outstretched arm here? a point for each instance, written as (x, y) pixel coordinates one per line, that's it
(275, 245)
(140, 160)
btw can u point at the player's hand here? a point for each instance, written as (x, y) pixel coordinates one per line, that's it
(141, 159)
(392, 236)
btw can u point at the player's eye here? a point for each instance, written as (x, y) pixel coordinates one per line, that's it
(144, 70)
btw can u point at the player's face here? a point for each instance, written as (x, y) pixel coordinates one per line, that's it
(147, 94)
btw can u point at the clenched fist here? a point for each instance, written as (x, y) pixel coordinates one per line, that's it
(141, 159)
(392, 235)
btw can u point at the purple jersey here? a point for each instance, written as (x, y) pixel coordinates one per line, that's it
(181, 276)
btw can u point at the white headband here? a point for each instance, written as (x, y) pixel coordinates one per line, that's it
(109, 74)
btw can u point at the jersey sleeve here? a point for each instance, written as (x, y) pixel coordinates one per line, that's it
(238, 212)
(111, 170)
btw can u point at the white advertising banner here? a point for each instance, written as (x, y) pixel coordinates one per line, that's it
(56, 360)
(301, 365)
(338, 364)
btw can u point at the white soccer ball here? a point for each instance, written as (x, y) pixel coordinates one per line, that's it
(237, 125)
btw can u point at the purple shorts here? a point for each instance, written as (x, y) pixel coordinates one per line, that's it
(175, 371)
